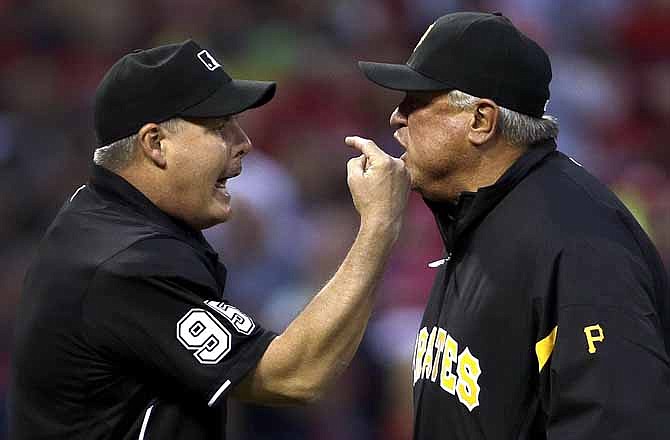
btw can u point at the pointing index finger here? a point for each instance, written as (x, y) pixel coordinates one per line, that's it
(365, 146)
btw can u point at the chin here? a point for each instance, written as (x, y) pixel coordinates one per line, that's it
(222, 216)
(424, 192)
(413, 184)
(217, 216)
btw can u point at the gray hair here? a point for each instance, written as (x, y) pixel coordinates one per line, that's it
(119, 154)
(516, 128)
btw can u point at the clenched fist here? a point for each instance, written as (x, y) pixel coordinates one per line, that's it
(379, 184)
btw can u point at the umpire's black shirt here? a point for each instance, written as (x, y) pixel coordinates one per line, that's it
(123, 330)
(551, 319)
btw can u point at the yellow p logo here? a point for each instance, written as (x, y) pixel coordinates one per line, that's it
(594, 333)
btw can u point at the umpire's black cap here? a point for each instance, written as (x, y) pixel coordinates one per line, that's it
(157, 84)
(478, 53)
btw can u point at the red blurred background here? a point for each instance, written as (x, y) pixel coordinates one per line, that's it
(294, 219)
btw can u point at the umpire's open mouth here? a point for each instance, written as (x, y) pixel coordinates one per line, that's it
(220, 184)
(221, 190)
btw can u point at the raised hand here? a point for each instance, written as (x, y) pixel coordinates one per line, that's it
(379, 184)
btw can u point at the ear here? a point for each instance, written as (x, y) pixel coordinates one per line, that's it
(484, 122)
(150, 137)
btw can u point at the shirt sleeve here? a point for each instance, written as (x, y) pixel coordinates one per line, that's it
(155, 310)
(609, 375)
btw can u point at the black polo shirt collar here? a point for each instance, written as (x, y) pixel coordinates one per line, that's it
(112, 185)
(454, 219)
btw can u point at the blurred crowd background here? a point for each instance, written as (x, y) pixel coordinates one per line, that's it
(294, 220)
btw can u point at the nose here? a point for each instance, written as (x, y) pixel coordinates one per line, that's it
(245, 145)
(398, 119)
(242, 143)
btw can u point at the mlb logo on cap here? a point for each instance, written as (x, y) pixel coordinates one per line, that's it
(208, 60)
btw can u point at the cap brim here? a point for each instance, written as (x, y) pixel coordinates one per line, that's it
(400, 77)
(233, 97)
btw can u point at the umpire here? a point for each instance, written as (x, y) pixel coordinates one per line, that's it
(549, 317)
(124, 331)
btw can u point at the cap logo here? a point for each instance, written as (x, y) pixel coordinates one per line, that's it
(208, 60)
(425, 34)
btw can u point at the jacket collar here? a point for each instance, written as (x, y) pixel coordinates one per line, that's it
(112, 185)
(453, 219)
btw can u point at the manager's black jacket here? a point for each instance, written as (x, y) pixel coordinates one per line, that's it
(551, 317)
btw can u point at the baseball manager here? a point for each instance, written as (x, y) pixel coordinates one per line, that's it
(124, 330)
(549, 317)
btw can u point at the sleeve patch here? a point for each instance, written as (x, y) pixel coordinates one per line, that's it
(199, 331)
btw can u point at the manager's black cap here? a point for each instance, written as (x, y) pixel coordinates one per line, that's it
(157, 84)
(478, 53)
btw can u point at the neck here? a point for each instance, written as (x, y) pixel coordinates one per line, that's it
(147, 183)
(494, 162)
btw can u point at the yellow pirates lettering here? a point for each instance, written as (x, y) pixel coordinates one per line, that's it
(447, 377)
(468, 373)
(459, 374)
(428, 358)
(439, 347)
(421, 342)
